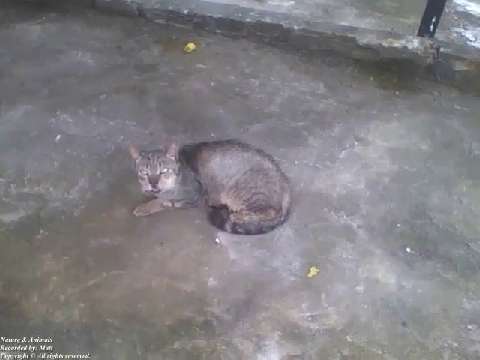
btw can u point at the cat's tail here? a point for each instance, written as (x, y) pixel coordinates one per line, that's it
(247, 223)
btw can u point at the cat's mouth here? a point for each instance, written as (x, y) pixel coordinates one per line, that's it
(153, 191)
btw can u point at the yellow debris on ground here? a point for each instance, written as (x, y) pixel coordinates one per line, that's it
(189, 47)
(313, 271)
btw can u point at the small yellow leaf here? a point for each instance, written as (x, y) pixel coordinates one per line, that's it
(189, 47)
(313, 271)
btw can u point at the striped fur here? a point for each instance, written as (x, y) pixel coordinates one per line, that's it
(244, 189)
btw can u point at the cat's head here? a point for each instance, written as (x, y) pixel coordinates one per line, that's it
(157, 170)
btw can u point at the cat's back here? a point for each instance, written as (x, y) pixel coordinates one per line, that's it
(245, 188)
(227, 159)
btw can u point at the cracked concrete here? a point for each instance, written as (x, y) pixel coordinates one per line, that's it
(384, 166)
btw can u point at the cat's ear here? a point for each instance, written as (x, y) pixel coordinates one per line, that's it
(134, 152)
(172, 151)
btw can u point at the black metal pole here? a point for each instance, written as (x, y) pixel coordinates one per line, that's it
(431, 18)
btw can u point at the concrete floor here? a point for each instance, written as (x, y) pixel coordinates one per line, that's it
(385, 170)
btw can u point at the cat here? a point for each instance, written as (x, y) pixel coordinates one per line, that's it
(243, 188)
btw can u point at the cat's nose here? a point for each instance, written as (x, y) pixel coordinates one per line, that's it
(153, 181)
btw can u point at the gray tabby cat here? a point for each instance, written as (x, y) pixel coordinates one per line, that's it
(244, 189)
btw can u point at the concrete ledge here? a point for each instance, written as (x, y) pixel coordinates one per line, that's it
(459, 64)
(116, 6)
(63, 3)
(276, 27)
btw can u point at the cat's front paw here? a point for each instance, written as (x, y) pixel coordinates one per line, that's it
(143, 210)
(140, 211)
(151, 207)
